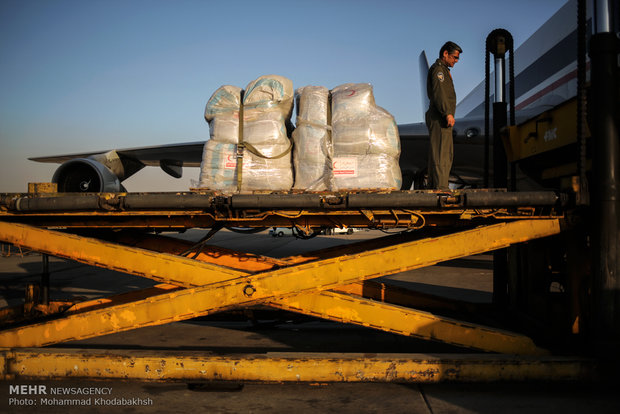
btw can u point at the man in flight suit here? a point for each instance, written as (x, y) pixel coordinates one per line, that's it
(440, 115)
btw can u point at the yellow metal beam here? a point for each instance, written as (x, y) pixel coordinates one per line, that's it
(249, 290)
(287, 367)
(246, 262)
(252, 263)
(165, 268)
(396, 295)
(409, 322)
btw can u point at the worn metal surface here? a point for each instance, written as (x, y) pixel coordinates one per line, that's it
(287, 367)
(161, 267)
(225, 291)
(548, 131)
(307, 212)
(404, 321)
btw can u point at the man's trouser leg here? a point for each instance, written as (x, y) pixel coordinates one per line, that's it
(440, 155)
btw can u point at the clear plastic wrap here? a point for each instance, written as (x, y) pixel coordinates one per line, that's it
(360, 152)
(352, 100)
(218, 170)
(370, 171)
(218, 167)
(222, 114)
(267, 107)
(366, 144)
(312, 150)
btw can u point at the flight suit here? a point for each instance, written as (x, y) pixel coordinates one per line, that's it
(442, 97)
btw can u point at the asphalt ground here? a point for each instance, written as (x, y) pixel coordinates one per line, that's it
(261, 332)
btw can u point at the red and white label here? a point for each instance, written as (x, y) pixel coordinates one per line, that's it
(345, 167)
(230, 161)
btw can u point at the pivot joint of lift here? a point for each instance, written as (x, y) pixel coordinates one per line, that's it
(249, 290)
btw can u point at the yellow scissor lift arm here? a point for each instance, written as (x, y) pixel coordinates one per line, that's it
(331, 284)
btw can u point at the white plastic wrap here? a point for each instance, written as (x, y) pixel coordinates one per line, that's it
(366, 144)
(268, 103)
(267, 174)
(362, 153)
(312, 150)
(352, 100)
(370, 171)
(222, 114)
(218, 167)
(267, 108)
(218, 170)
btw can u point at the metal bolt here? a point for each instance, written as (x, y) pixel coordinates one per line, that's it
(249, 290)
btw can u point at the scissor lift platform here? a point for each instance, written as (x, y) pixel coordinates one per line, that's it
(333, 284)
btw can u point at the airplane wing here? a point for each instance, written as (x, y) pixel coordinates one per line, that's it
(187, 153)
(99, 171)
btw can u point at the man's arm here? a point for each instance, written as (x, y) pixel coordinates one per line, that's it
(440, 91)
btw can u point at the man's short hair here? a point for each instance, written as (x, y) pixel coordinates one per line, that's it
(451, 47)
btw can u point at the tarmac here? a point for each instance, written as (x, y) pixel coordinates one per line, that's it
(468, 279)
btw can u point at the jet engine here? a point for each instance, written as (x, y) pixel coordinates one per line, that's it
(83, 175)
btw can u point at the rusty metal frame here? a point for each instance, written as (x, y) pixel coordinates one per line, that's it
(289, 367)
(325, 284)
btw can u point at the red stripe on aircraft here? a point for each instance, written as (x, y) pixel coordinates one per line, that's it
(564, 79)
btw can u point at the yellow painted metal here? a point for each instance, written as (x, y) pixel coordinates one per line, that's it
(548, 131)
(267, 286)
(246, 262)
(410, 322)
(348, 309)
(161, 267)
(37, 188)
(122, 298)
(396, 295)
(287, 367)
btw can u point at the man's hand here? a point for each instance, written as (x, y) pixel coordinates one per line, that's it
(450, 120)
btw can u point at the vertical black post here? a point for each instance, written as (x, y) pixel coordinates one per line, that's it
(605, 196)
(498, 42)
(500, 180)
(500, 163)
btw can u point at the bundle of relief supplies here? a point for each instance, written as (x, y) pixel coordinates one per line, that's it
(254, 154)
(352, 144)
(342, 140)
(312, 149)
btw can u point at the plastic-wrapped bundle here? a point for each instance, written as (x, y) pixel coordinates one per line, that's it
(368, 171)
(218, 167)
(266, 174)
(352, 100)
(312, 150)
(365, 140)
(218, 170)
(222, 114)
(267, 107)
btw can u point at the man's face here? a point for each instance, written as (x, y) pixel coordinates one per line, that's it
(450, 58)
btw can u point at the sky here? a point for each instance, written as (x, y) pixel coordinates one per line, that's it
(89, 75)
